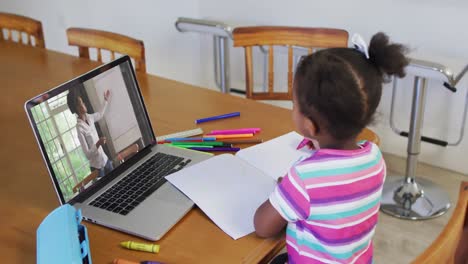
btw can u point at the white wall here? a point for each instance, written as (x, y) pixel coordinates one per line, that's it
(168, 53)
(434, 30)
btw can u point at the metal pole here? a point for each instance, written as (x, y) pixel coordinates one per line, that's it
(221, 57)
(414, 136)
(223, 62)
(216, 60)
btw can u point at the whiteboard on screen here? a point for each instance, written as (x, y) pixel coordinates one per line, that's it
(120, 116)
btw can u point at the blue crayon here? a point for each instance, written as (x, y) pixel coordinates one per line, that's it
(212, 118)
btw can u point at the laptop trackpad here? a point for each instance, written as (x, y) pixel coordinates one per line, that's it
(169, 193)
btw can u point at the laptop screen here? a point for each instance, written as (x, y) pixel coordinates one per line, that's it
(91, 125)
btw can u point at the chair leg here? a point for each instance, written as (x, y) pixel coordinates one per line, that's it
(280, 259)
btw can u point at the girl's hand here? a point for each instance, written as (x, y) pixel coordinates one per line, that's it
(106, 95)
(101, 141)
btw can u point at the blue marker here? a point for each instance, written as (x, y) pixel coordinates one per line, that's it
(198, 121)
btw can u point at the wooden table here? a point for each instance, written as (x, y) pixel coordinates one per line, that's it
(26, 191)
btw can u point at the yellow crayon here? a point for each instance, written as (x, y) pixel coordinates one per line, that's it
(153, 248)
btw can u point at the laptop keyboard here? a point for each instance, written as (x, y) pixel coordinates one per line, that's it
(134, 188)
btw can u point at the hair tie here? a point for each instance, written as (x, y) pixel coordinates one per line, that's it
(360, 44)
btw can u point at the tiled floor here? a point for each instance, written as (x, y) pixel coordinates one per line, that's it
(399, 241)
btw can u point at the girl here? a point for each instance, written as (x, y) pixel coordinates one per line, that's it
(330, 200)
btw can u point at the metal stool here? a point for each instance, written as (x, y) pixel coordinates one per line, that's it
(221, 34)
(405, 197)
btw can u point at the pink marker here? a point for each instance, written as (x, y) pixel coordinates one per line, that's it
(303, 143)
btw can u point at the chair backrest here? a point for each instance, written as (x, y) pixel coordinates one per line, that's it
(23, 25)
(91, 38)
(310, 38)
(451, 246)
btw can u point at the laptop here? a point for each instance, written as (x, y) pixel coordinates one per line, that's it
(100, 149)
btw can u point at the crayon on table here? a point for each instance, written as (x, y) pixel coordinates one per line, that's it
(153, 248)
(212, 118)
(123, 261)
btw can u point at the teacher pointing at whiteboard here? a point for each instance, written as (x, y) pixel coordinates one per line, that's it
(88, 136)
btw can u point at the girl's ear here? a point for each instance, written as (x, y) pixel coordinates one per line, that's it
(310, 127)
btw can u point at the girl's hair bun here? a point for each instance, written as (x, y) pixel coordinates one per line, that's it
(388, 58)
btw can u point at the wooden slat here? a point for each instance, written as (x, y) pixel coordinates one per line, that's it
(112, 55)
(9, 36)
(83, 52)
(310, 51)
(248, 72)
(99, 56)
(290, 69)
(271, 65)
(27, 39)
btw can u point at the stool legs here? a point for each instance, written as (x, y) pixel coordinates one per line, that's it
(404, 197)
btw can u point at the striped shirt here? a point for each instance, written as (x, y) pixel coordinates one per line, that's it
(331, 201)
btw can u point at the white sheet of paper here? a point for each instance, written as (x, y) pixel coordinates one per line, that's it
(275, 156)
(227, 189)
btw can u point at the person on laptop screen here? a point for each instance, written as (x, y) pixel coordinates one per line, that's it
(88, 136)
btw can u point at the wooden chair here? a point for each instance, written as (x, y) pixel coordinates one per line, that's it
(91, 38)
(21, 24)
(309, 38)
(93, 175)
(127, 152)
(451, 246)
